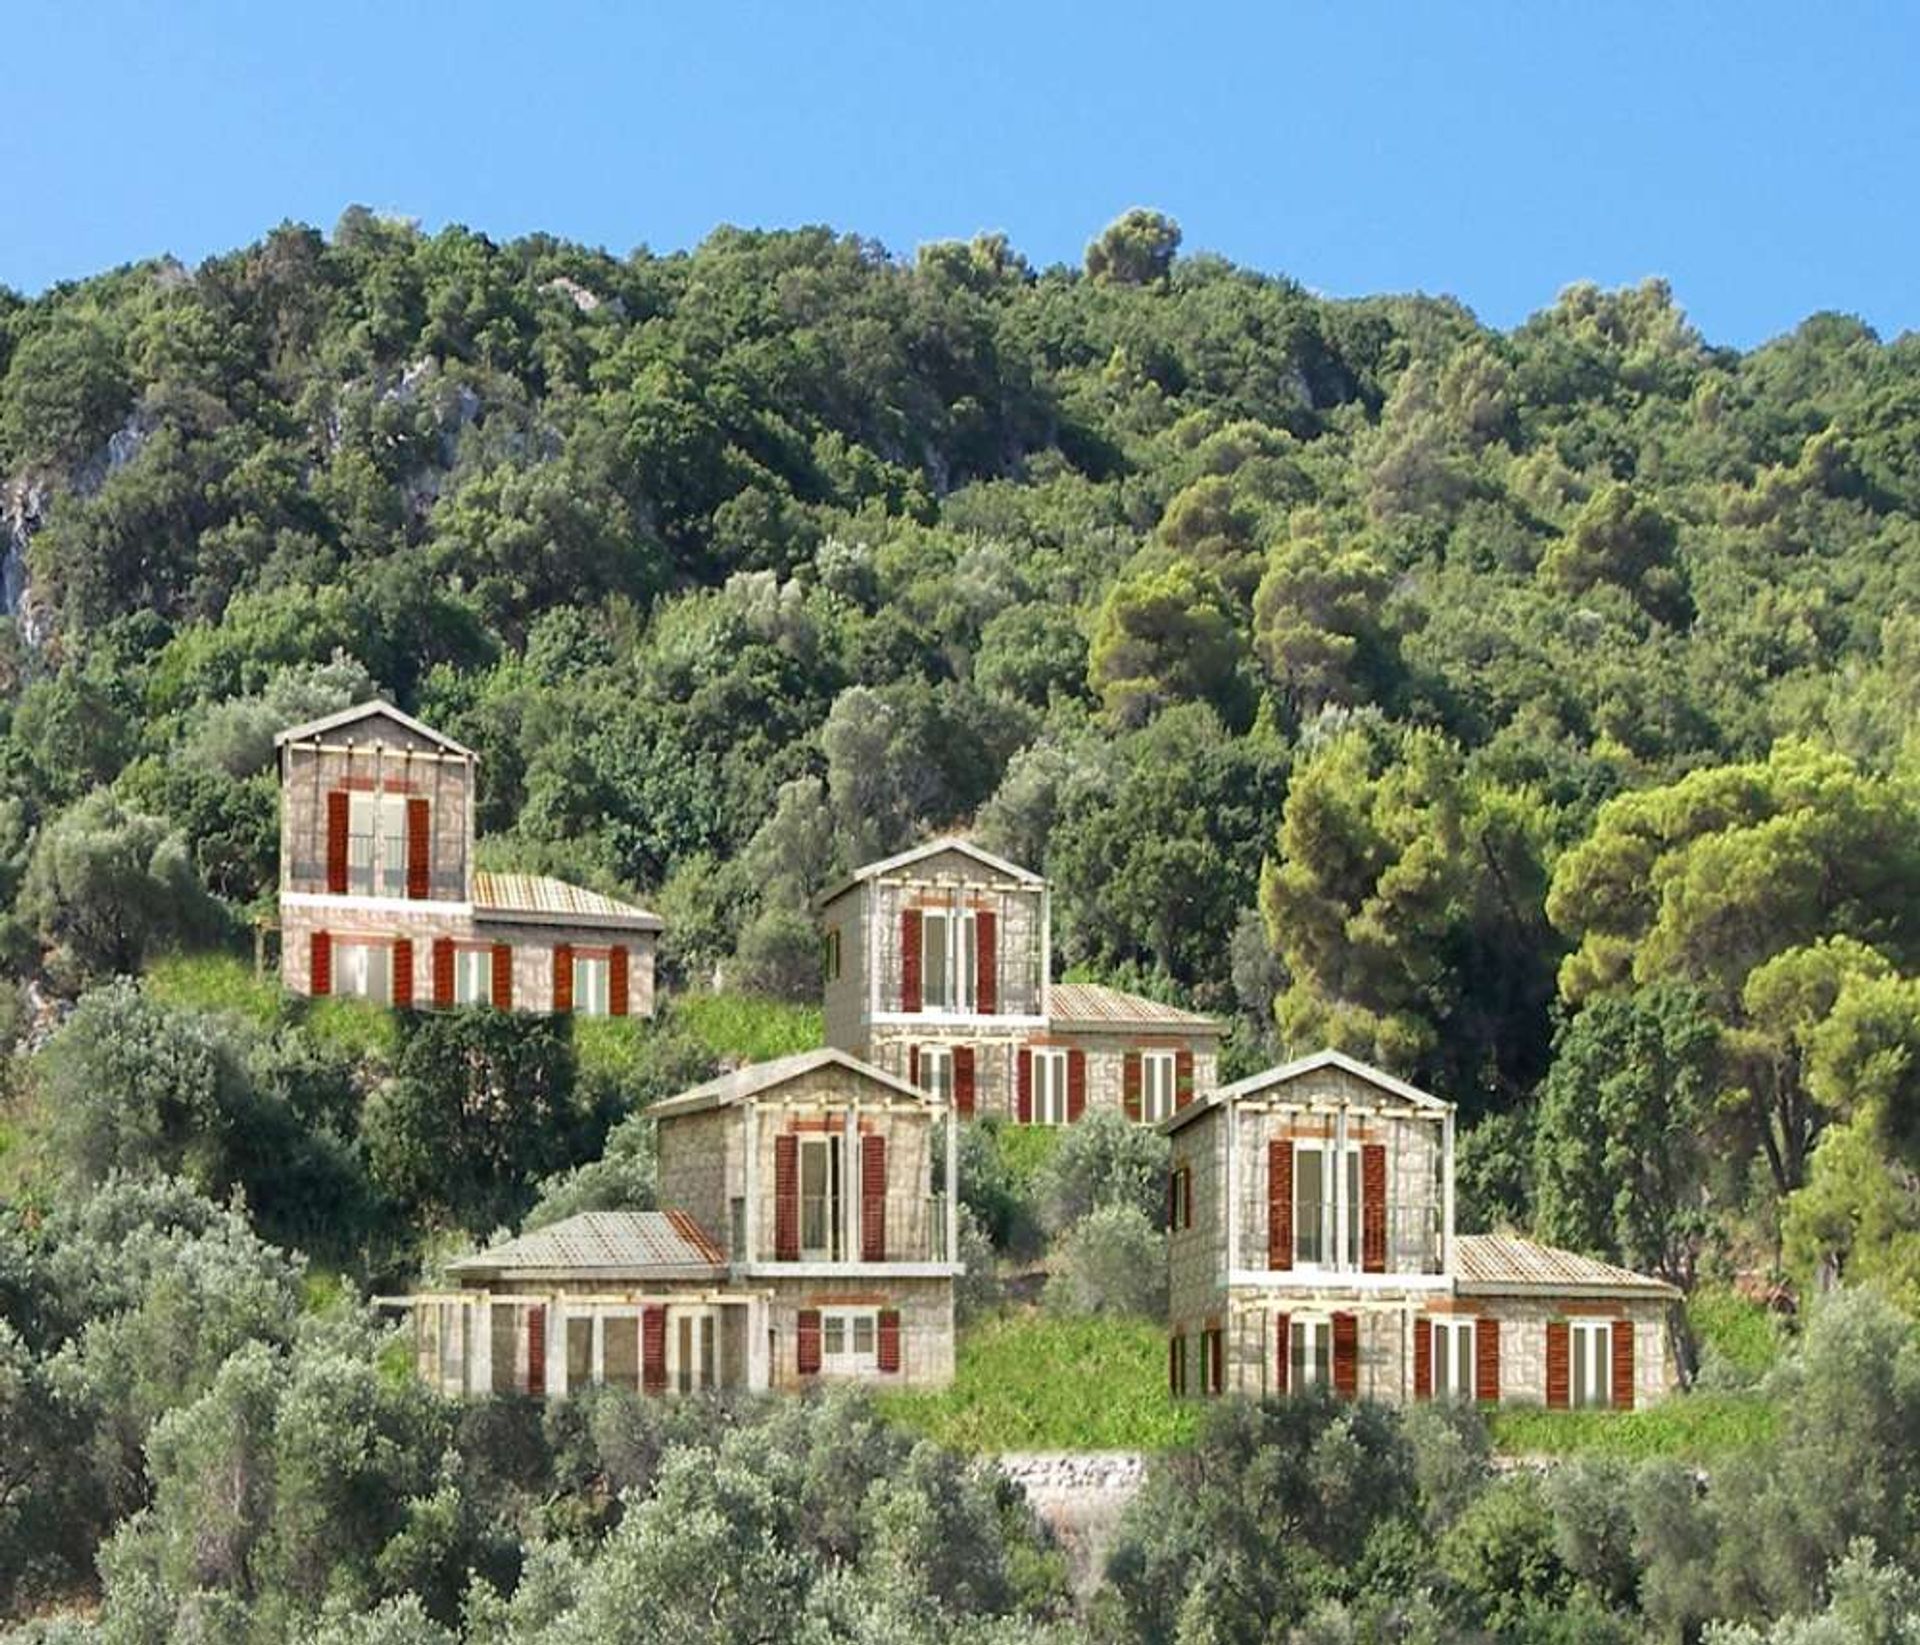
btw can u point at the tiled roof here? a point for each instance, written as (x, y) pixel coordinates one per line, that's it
(361, 711)
(604, 1243)
(932, 848)
(1270, 1080)
(1507, 1264)
(757, 1077)
(1092, 1005)
(536, 897)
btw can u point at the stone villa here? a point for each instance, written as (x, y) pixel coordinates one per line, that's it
(379, 896)
(938, 969)
(806, 1235)
(1311, 1242)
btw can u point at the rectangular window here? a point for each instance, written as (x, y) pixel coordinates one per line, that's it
(472, 976)
(1209, 1361)
(831, 960)
(1316, 1213)
(377, 845)
(590, 982)
(1049, 1087)
(936, 1071)
(947, 960)
(1309, 1353)
(820, 1200)
(1590, 1342)
(690, 1350)
(1156, 1086)
(849, 1341)
(1180, 1208)
(363, 970)
(1453, 1359)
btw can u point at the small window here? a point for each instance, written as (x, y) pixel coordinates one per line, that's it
(377, 845)
(590, 982)
(1180, 1198)
(1156, 1086)
(936, 1071)
(1177, 1364)
(472, 976)
(1590, 1342)
(363, 970)
(947, 960)
(1309, 1354)
(849, 1341)
(831, 961)
(1316, 1214)
(1049, 1087)
(1453, 1358)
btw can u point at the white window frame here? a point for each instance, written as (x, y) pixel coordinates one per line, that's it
(832, 1216)
(693, 1365)
(1329, 1210)
(1455, 1342)
(949, 934)
(1159, 1074)
(1050, 1064)
(592, 984)
(377, 844)
(847, 1327)
(1309, 1352)
(1590, 1364)
(936, 1071)
(472, 976)
(363, 970)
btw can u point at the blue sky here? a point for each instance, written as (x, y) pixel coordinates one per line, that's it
(1763, 157)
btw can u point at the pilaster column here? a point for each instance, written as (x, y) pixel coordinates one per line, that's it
(1341, 1210)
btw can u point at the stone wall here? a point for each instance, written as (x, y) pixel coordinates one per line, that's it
(1523, 1342)
(926, 1326)
(844, 998)
(953, 878)
(701, 1169)
(1196, 1255)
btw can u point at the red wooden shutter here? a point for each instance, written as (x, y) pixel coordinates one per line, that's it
(443, 970)
(1423, 1359)
(1486, 1360)
(1280, 1203)
(502, 977)
(1623, 1365)
(786, 1199)
(1373, 1208)
(909, 959)
(913, 1065)
(419, 850)
(963, 1080)
(890, 1340)
(807, 1342)
(619, 982)
(1076, 1084)
(1346, 1355)
(1559, 1366)
(1023, 1109)
(403, 973)
(337, 841)
(320, 964)
(653, 1350)
(1130, 1085)
(562, 977)
(873, 1199)
(1182, 1078)
(536, 1350)
(1282, 1352)
(986, 959)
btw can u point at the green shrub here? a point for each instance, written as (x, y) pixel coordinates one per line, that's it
(1112, 1261)
(1105, 1160)
(1740, 1340)
(1694, 1427)
(747, 1027)
(215, 980)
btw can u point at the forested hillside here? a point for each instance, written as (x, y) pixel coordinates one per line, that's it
(1534, 713)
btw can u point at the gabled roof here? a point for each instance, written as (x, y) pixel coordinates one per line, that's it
(1506, 1265)
(1093, 1005)
(604, 1245)
(362, 711)
(932, 848)
(535, 898)
(760, 1077)
(1270, 1079)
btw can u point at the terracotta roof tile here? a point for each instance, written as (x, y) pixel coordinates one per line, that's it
(1506, 1263)
(1092, 1005)
(598, 1242)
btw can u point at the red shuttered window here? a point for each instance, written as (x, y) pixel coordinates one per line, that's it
(1423, 1359)
(1559, 1366)
(1076, 1084)
(889, 1341)
(986, 977)
(910, 959)
(873, 1199)
(1486, 1360)
(320, 964)
(403, 974)
(536, 1350)
(419, 850)
(1182, 1078)
(562, 977)
(807, 1342)
(1280, 1203)
(963, 1078)
(653, 1351)
(619, 982)
(1346, 1355)
(1023, 1103)
(1373, 1208)
(1130, 1085)
(1282, 1351)
(786, 1199)
(1623, 1365)
(337, 828)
